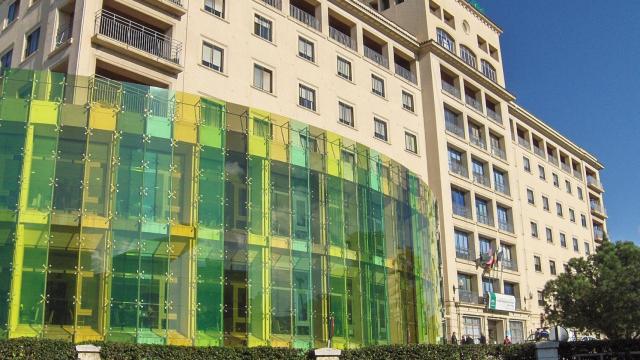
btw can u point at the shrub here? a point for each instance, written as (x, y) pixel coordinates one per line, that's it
(36, 349)
(121, 351)
(443, 352)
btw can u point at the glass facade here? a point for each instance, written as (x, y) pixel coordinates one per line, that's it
(138, 214)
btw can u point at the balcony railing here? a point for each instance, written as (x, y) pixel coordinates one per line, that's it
(498, 152)
(509, 264)
(342, 38)
(458, 168)
(452, 90)
(503, 189)
(461, 210)
(464, 254)
(553, 160)
(64, 34)
(593, 182)
(478, 141)
(304, 17)
(455, 128)
(485, 219)
(566, 167)
(577, 173)
(105, 91)
(493, 115)
(376, 56)
(274, 3)
(469, 297)
(505, 226)
(599, 209)
(538, 151)
(481, 179)
(138, 36)
(406, 74)
(175, 2)
(524, 142)
(473, 102)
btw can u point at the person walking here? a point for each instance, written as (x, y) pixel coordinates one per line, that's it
(454, 339)
(507, 340)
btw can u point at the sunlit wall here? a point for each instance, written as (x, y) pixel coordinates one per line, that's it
(137, 214)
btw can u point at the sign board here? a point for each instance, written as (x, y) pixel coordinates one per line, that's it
(501, 302)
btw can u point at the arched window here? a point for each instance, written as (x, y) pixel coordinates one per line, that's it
(488, 70)
(446, 40)
(468, 56)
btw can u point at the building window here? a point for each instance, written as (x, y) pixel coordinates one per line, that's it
(531, 197)
(459, 200)
(5, 60)
(407, 101)
(540, 298)
(488, 70)
(526, 164)
(212, 57)
(543, 175)
(572, 215)
(345, 114)
(580, 195)
(262, 128)
(307, 97)
(517, 331)
(567, 184)
(377, 85)
(575, 245)
(504, 221)
(549, 233)
(33, 39)
(216, 7)
(534, 230)
(545, 203)
(583, 220)
(411, 143)
(468, 56)
(587, 249)
(563, 240)
(556, 181)
(380, 130)
(263, 27)
(472, 327)
(13, 11)
(445, 40)
(262, 78)
(559, 209)
(462, 245)
(537, 264)
(344, 68)
(552, 267)
(306, 49)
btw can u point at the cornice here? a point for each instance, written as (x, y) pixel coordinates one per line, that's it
(480, 16)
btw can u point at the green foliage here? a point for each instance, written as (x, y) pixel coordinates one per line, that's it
(600, 294)
(36, 349)
(442, 352)
(121, 351)
(568, 349)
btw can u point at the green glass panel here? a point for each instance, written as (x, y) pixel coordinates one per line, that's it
(70, 170)
(98, 178)
(7, 239)
(280, 199)
(12, 136)
(33, 272)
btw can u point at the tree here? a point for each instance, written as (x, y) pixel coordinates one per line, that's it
(599, 294)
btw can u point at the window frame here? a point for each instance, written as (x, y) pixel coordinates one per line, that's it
(312, 91)
(28, 43)
(348, 76)
(352, 123)
(264, 69)
(308, 45)
(410, 135)
(382, 93)
(376, 121)
(213, 48)
(212, 9)
(409, 107)
(258, 27)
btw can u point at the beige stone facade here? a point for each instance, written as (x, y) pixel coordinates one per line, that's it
(381, 73)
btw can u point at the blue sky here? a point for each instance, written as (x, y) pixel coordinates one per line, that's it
(576, 65)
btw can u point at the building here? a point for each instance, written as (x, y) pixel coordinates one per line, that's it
(211, 173)
(517, 199)
(345, 109)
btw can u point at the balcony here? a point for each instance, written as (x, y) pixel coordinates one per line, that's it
(454, 128)
(485, 219)
(304, 17)
(469, 297)
(509, 264)
(130, 38)
(458, 168)
(524, 143)
(505, 226)
(481, 179)
(577, 173)
(376, 56)
(406, 74)
(342, 38)
(553, 159)
(598, 234)
(566, 167)
(478, 141)
(598, 210)
(473, 102)
(498, 152)
(503, 189)
(174, 7)
(594, 183)
(493, 115)
(452, 90)
(63, 35)
(538, 151)
(461, 210)
(274, 3)
(464, 254)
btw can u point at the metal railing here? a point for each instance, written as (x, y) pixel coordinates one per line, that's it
(342, 38)
(525, 143)
(498, 152)
(458, 168)
(592, 181)
(509, 264)
(553, 160)
(493, 115)
(406, 73)
(464, 254)
(566, 167)
(274, 3)
(452, 90)
(105, 91)
(598, 234)
(469, 297)
(503, 189)
(505, 226)
(137, 36)
(454, 128)
(375, 56)
(481, 179)
(477, 141)
(304, 17)
(538, 151)
(63, 34)
(577, 173)
(595, 207)
(485, 219)
(473, 102)
(462, 211)
(175, 2)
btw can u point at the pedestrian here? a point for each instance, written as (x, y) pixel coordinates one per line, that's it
(469, 340)
(483, 339)
(454, 339)
(507, 340)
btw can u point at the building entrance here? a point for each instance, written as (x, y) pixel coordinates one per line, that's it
(495, 330)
